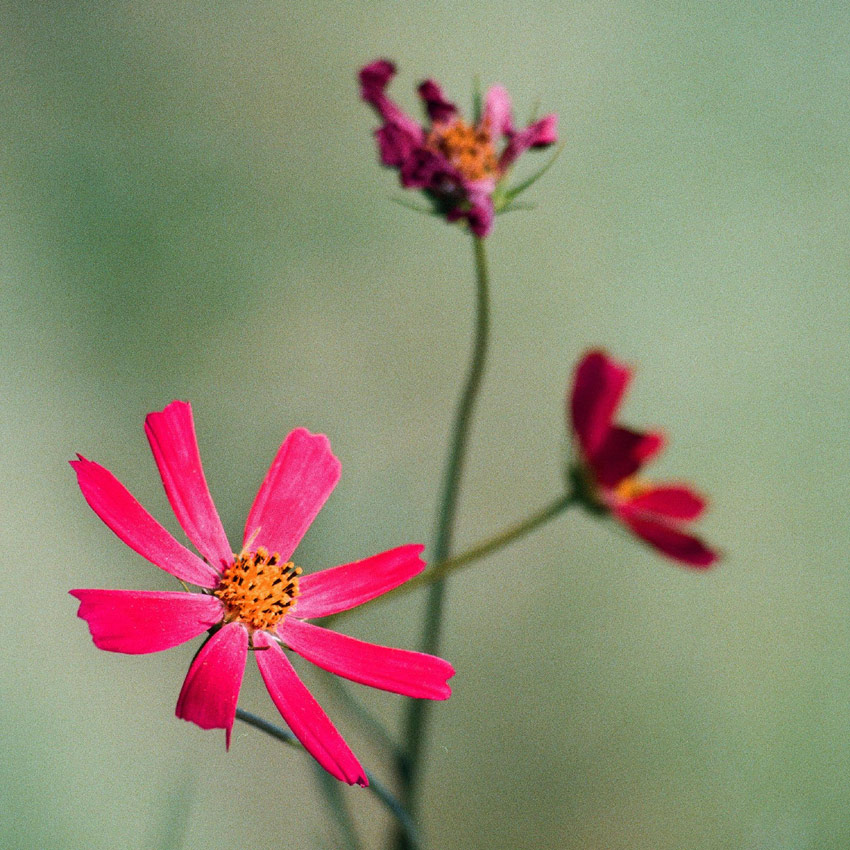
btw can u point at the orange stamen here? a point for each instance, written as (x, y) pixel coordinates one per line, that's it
(258, 589)
(469, 149)
(631, 488)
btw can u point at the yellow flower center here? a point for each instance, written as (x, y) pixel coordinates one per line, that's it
(258, 589)
(469, 149)
(631, 488)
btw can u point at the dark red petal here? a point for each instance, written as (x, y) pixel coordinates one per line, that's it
(340, 588)
(598, 388)
(675, 544)
(171, 434)
(394, 145)
(676, 501)
(425, 169)
(375, 77)
(139, 621)
(414, 674)
(622, 453)
(304, 715)
(440, 110)
(211, 690)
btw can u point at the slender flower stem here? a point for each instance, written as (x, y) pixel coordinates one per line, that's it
(441, 569)
(417, 715)
(331, 788)
(405, 822)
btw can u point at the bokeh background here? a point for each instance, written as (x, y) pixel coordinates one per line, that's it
(191, 207)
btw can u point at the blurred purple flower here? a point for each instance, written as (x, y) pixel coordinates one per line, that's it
(454, 162)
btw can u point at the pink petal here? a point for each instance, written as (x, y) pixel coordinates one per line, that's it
(138, 621)
(497, 111)
(440, 110)
(413, 674)
(598, 388)
(171, 433)
(304, 715)
(211, 689)
(670, 541)
(115, 505)
(622, 453)
(676, 501)
(301, 477)
(540, 134)
(374, 79)
(340, 588)
(481, 213)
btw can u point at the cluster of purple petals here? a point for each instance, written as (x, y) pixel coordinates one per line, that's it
(402, 144)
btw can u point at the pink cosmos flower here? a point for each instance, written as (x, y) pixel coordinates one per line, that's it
(610, 456)
(255, 600)
(455, 163)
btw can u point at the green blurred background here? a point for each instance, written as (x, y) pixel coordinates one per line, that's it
(191, 207)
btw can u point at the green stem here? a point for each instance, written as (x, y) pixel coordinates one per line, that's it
(418, 710)
(440, 570)
(405, 822)
(332, 789)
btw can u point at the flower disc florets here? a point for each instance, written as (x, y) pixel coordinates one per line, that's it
(258, 589)
(468, 148)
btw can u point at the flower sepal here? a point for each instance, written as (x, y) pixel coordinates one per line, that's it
(584, 489)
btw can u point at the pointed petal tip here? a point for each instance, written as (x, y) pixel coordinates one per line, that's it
(340, 588)
(210, 690)
(672, 541)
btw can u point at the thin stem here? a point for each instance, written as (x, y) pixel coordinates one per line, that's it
(405, 822)
(331, 788)
(440, 570)
(418, 710)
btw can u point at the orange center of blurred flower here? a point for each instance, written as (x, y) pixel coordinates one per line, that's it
(631, 488)
(258, 589)
(469, 149)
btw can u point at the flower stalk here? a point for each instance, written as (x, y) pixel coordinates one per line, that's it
(440, 570)
(405, 822)
(417, 714)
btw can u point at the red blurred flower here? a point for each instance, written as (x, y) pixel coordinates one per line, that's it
(255, 600)
(610, 456)
(455, 163)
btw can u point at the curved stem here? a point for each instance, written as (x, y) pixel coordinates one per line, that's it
(417, 715)
(405, 822)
